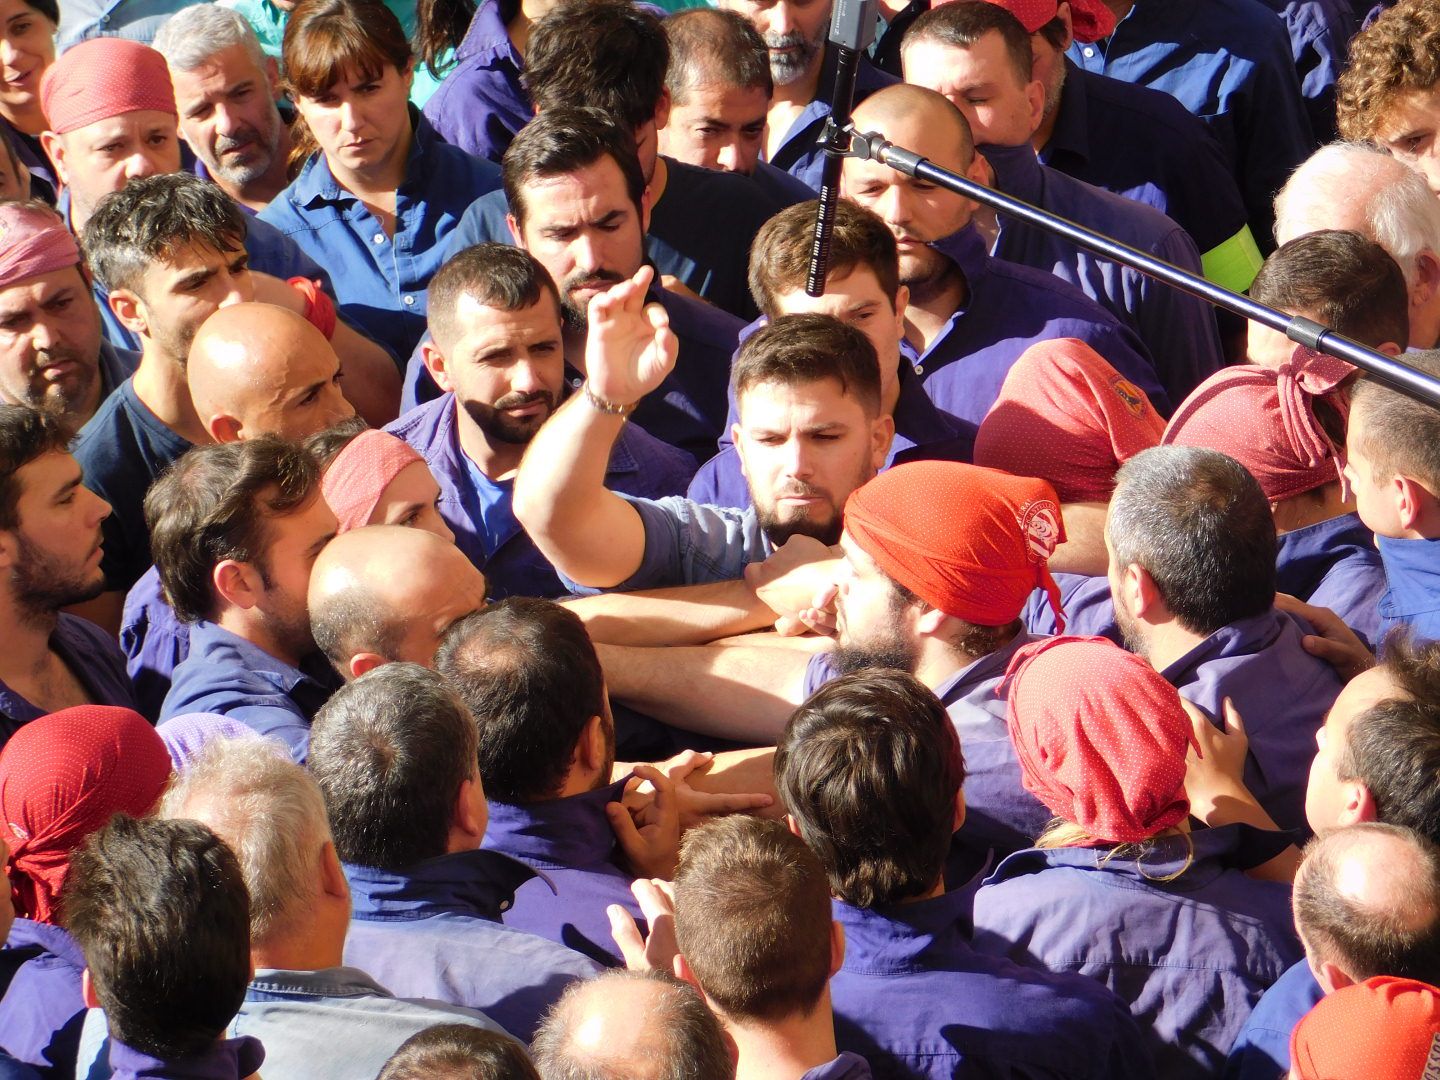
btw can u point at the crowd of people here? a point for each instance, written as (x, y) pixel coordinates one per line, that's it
(470, 613)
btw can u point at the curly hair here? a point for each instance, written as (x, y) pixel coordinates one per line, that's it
(1398, 53)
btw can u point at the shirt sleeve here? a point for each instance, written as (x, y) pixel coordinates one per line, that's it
(688, 543)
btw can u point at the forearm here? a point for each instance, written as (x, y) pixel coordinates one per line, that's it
(729, 692)
(372, 380)
(1084, 549)
(690, 615)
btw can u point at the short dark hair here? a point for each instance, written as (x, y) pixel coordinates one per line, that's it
(1054, 32)
(1199, 525)
(780, 255)
(389, 753)
(752, 918)
(25, 435)
(152, 216)
(526, 669)
(609, 54)
(1402, 434)
(459, 1052)
(215, 503)
(688, 1042)
(1341, 279)
(715, 47)
(1367, 941)
(48, 8)
(499, 276)
(566, 139)
(869, 767)
(962, 25)
(1393, 747)
(161, 912)
(796, 349)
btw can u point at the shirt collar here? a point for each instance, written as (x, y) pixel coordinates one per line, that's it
(476, 883)
(990, 666)
(1305, 554)
(918, 420)
(1017, 172)
(227, 1059)
(569, 832)
(334, 982)
(487, 36)
(966, 249)
(53, 939)
(208, 638)
(1244, 637)
(892, 937)
(1412, 572)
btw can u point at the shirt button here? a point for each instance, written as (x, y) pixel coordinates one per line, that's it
(408, 300)
(1088, 51)
(379, 238)
(919, 369)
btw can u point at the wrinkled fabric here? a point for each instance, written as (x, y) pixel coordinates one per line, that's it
(1381, 1029)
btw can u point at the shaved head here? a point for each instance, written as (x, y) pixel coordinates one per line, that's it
(386, 593)
(258, 369)
(919, 120)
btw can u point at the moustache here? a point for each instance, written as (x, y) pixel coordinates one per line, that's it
(798, 489)
(792, 40)
(516, 400)
(228, 144)
(599, 279)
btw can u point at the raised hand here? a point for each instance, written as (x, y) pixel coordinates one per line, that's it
(630, 348)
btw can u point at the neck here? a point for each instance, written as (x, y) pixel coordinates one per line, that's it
(250, 625)
(1046, 128)
(27, 640)
(27, 118)
(659, 180)
(784, 1049)
(580, 781)
(309, 951)
(160, 384)
(518, 28)
(1168, 641)
(931, 305)
(495, 459)
(940, 661)
(376, 187)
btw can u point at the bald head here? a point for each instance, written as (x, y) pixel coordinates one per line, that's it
(920, 120)
(386, 593)
(629, 1026)
(258, 369)
(1367, 902)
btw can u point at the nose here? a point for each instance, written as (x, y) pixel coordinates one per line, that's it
(728, 158)
(237, 289)
(348, 116)
(140, 164)
(226, 122)
(525, 379)
(781, 19)
(8, 51)
(797, 458)
(585, 252)
(43, 336)
(102, 508)
(439, 527)
(338, 406)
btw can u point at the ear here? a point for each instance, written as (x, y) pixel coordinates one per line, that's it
(1412, 500)
(1035, 99)
(590, 747)
(1359, 804)
(980, 171)
(662, 111)
(837, 948)
(332, 874)
(272, 78)
(882, 434)
(1138, 591)
(792, 825)
(514, 227)
(408, 75)
(9, 550)
(87, 990)
(54, 146)
(130, 310)
(360, 663)
(1389, 349)
(1067, 17)
(1331, 977)
(739, 450)
(434, 359)
(931, 621)
(902, 301)
(237, 584)
(680, 968)
(471, 812)
(645, 202)
(224, 429)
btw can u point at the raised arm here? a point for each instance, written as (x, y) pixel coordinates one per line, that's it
(590, 534)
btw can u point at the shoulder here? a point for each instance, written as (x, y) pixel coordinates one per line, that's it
(699, 324)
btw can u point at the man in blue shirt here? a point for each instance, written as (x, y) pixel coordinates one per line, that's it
(570, 153)
(394, 755)
(497, 350)
(978, 56)
(970, 315)
(50, 545)
(1249, 96)
(236, 530)
(871, 771)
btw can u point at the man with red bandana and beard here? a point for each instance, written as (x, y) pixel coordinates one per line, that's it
(496, 349)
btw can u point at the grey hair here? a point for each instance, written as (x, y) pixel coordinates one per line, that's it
(270, 812)
(194, 34)
(1401, 213)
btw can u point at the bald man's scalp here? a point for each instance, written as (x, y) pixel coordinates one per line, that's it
(916, 109)
(243, 349)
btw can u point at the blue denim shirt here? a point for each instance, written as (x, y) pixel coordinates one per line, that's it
(481, 104)
(1412, 596)
(1320, 33)
(1010, 308)
(640, 465)
(229, 676)
(799, 153)
(1262, 1051)
(434, 931)
(139, 20)
(1178, 329)
(1190, 956)
(1144, 145)
(153, 640)
(688, 543)
(1282, 692)
(917, 1000)
(846, 1066)
(1334, 564)
(1229, 63)
(571, 843)
(999, 813)
(228, 1059)
(42, 1010)
(92, 657)
(380, 281)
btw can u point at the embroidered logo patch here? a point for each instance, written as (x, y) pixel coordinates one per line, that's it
(1040, 525)
(1129, 393)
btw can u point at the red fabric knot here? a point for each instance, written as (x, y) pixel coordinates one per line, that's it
(971, 542)
(1066, 416)
(62, 777)
(1101, 737)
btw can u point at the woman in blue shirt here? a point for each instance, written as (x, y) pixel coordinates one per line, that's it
(378, 193)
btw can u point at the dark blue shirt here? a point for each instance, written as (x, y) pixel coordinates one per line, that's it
(1190, 956)
(380, 280)
(1178, 329)
(92, 657)
(481, 105)
(153, 640)
(639, 465)
(122, 449)
(570, 841)
(227, 675)
(1412, 577)
(999, 813)
(782, 188)
(1281, 691)
(31, 154)
(1010, 308)
(433, 931)
(846, 1066)
(227, 1059)
(915, 999)
(116, 365)
(799, 153)
(10, 1069)
(43, 1010)
(1334, 564)
(1229, 63)
(1262, 1052)
(1143, 144)
(1320, 33)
